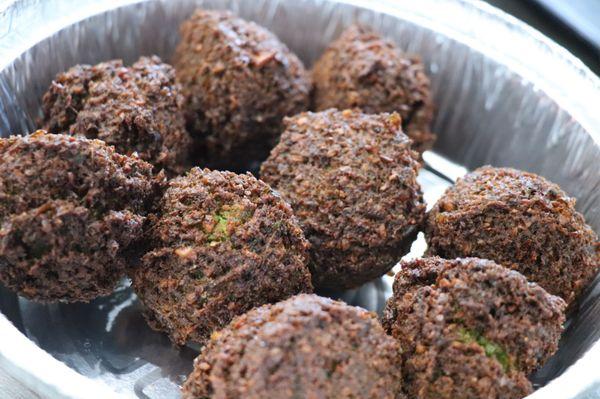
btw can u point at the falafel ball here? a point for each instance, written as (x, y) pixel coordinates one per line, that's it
(363, 70)
(470, 328)
(69, 208)
(521, 221)
(304, 347)
(136, 109)
(222, 244)
(351, 181)
(239, 82)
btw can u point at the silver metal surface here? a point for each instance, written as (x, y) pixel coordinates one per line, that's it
(505, 96)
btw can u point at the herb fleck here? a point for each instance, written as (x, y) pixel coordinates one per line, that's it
(491, 349)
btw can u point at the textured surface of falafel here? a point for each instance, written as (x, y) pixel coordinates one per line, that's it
(362, 70)
(304, 347)
(351, 180)
(223, 243)
(239, 82)
(69, 207)
(470, 328)
(519, 220)
(136, 109)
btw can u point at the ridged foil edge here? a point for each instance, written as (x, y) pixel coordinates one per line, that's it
(565, 82)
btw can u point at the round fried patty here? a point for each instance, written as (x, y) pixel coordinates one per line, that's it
(470, 328)
(521, 221)
(69, 207)
(304, 347)
(351, 181)
(136, 109)
(222, 244)
(239, 81)
(362, 70)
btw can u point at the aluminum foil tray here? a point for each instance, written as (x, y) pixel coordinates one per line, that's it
(505, 96)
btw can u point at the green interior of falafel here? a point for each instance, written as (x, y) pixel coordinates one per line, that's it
(226, 219)
(492, 349)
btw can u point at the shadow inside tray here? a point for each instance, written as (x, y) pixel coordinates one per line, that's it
(578, 336)
(371, 296)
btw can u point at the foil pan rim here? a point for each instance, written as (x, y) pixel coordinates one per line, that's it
(28, 364)
(578, 90)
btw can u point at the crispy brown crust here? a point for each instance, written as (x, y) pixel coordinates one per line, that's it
(447, 315)
(304, 347)
(351, 180)
(69, 207)
(136, 109)
(519, 220)
(223, 243)
(362, 70)
(239, 81)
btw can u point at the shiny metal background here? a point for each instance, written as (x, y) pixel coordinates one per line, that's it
(505, 95)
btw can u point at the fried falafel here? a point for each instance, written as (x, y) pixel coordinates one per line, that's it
(470, 328)
(222, 244)
(519, 220)
(136, 109)
(239, 82)
(303, 347)
(363, 70)
(69, 208)
(351, 181)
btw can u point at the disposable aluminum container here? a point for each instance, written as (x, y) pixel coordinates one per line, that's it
(505, 96)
